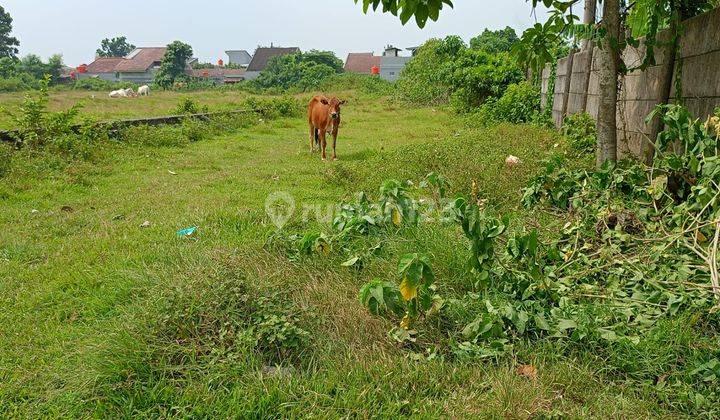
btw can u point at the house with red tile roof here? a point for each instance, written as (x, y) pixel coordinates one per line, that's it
(138, 67)
(361, 63)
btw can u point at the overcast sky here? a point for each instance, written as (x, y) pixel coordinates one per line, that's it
(75, 28)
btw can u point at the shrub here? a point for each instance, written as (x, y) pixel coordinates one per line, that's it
(14, 84)
(300, 71)
(447, 69)
(581, 132)
(422, 80)
(194, 130)
(285, 106)
(190, 106)
(519, 104)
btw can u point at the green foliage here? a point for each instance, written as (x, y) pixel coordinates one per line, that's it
(274, 107)
(371, 85)
(173, 66)
(99, 85)
(115, 47)
(493, 42)
(406, 9)
(581, 132)
(8, 44)
(422, 80)
(6, 154)
(446, 68)
(188, 105)
(229, 320)
(519, 104)
(382, 298)
(299, 71)
(327, 58)
(36, 125)
(34, 66)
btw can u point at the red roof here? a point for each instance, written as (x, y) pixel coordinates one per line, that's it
(361, 62)
(141, 59)
(104, 65)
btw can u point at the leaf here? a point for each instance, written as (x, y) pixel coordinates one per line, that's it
(566, 324)
(397, 217)
(408, 289)
(352, 261)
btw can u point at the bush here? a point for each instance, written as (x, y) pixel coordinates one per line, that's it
(285, 106)
(581, 132)
(190, 106)
(15, 84)
(519, 104)
(422, 80)
(194, 130)
(447, 69)
(300, 72)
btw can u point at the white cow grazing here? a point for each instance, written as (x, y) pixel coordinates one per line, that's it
(144, 90)
(118, 94)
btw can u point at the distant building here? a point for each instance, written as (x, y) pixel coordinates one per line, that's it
(138, 67)
(220, 75)
(390, 63)
(262, 56)
(102, 68)
(361, 63)
(239, 57)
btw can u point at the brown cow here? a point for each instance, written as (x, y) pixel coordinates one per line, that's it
(324, 118)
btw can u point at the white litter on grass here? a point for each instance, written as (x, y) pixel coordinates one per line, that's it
(512, 161)
(34, 211)
(145, 224)
(172, 173)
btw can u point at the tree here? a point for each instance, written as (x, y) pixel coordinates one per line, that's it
(609, 71)
(495, 41)
(116, 47)
(174, 64)
(324, 57)
(8, 44)
(34, 66)
(302, 71)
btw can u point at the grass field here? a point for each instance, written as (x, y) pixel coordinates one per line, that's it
(99, 106)
(103, 318)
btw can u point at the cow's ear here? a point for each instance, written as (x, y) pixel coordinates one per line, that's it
(324, 101)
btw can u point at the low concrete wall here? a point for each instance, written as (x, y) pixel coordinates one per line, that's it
(641, 90)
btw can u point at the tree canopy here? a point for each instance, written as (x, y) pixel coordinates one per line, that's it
(300, 71)
(495, 41)
(8, 44)
(115, 47)
(174, 64)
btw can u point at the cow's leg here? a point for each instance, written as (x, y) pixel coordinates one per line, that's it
(323, 143)
(312, 138)
(334, 134)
